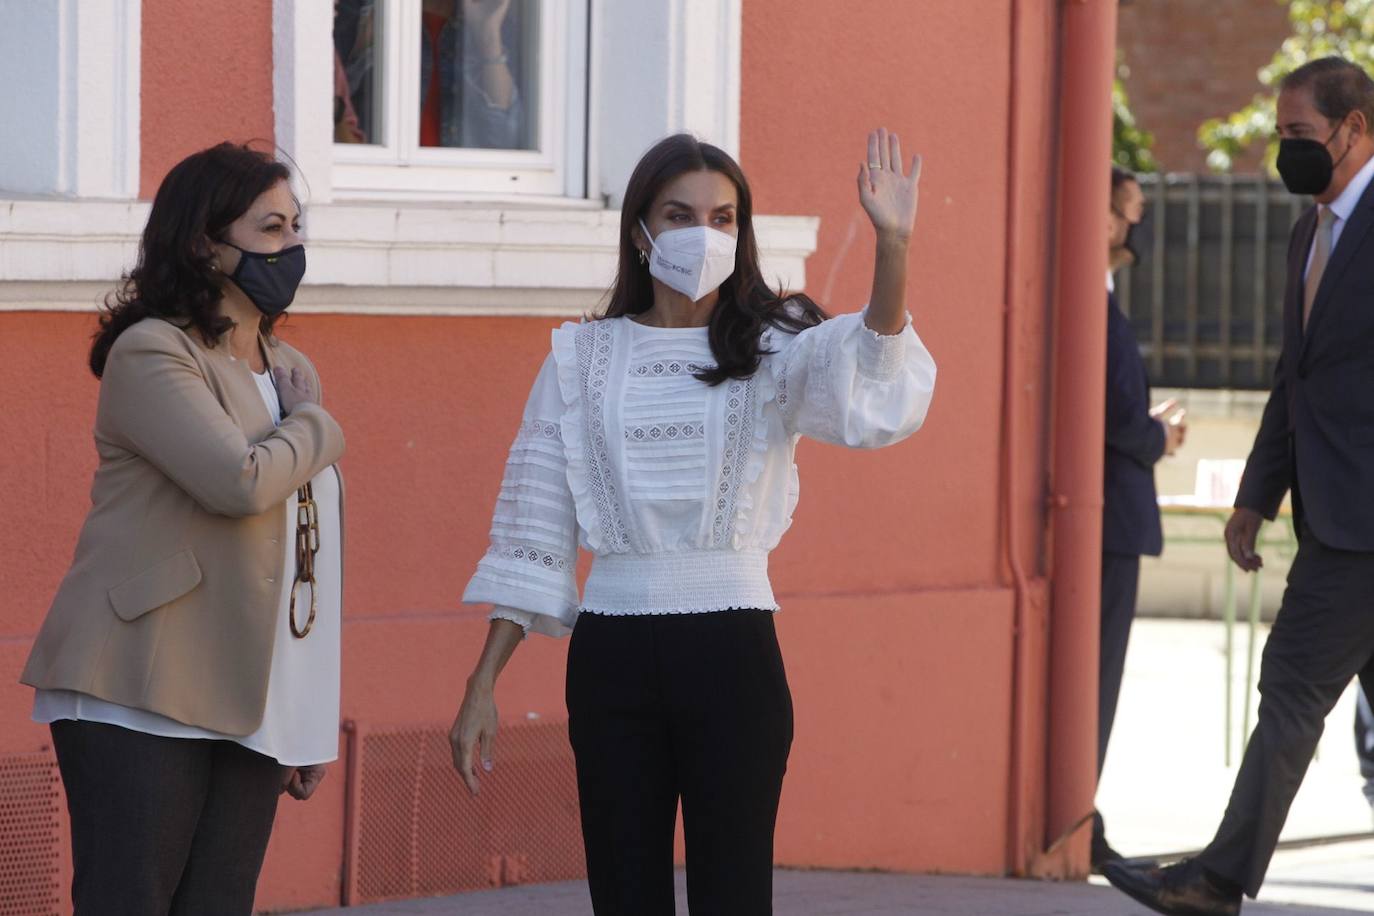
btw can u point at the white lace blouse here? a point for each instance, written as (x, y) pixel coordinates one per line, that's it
(679, 489)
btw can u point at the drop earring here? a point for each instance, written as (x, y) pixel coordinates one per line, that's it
(643, 258)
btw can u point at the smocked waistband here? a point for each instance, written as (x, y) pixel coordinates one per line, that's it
(681, 582)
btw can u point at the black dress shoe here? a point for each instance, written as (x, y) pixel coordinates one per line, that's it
(1185, 889)
(1102, 853)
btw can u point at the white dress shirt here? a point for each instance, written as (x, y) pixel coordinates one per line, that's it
(1343, 206)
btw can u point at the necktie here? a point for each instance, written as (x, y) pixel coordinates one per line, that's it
(1321, 253)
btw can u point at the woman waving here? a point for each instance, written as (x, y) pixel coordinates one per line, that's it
(661, 437)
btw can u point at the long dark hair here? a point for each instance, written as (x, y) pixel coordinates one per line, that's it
(173, 278)
(747, 303)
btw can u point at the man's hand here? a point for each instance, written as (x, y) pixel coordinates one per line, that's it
(1170, 415)
(1174, 434)
(1242, 534)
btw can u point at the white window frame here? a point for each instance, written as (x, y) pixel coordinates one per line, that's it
(74, 86)
(403, 170)
(659, 66)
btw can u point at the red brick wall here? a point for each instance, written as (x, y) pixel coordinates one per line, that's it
(1190, 61)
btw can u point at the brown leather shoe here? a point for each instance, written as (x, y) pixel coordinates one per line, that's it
(1185, 889)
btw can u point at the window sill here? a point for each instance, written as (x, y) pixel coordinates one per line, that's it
(477, 258)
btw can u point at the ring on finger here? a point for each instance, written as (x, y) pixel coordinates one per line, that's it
(875, 166)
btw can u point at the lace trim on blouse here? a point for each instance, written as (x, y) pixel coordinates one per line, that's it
(739, 438)
(595, 342)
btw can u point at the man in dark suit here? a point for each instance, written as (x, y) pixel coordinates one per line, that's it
(1137, 437)
(1316, 439)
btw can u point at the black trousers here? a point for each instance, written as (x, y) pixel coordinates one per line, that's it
(1323, 636)
(1120, 583)
(683, 706)
(175, 826)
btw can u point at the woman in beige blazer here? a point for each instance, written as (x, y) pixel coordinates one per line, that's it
(188, 665)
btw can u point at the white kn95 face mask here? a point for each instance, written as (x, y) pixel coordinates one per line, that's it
(694, 260)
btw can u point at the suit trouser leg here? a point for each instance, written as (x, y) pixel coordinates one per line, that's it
(145, 810)
(1120, 583)
(1323, 636)
(1364, 729)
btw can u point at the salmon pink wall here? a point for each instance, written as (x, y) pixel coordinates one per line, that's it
(206, 77)
(817, 76)
(897, 622)
(898, 611)
(429, 405)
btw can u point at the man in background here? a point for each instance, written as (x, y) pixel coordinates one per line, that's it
(1137, 437)
(1316, 439)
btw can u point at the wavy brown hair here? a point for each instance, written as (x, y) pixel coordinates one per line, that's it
(747, 303)
(173, 277)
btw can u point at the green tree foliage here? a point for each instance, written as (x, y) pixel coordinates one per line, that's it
(1130, 144)
(1320, 28)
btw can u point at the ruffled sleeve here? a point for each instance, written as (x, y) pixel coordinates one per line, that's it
(843, 383)
(529, 571)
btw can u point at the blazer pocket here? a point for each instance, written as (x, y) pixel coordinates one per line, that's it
(160, 584)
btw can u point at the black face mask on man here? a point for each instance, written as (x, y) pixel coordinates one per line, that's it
(1137, 240)
(269, 279)
(1306, 166)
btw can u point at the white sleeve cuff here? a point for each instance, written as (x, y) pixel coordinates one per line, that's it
(524, 619)
(881, 356)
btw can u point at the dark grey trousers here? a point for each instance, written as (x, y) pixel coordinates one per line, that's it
(164, 826)
(1323, 636)
(1120, 583)
(1364, 737)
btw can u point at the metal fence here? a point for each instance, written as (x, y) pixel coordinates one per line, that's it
(1207, 300)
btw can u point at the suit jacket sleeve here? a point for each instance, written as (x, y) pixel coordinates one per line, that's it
(1269, 469)
(155, 402)
(1130, 429)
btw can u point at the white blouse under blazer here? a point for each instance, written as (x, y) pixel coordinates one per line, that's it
(678, 488)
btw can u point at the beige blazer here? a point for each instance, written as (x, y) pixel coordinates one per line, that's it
(171, 601)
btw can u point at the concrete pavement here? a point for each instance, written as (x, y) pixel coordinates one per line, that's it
(1166, 782)
(807, 893)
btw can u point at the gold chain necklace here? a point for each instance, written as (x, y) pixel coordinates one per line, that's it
(307, 545)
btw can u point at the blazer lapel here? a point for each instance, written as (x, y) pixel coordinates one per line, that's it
(244, 402)
(1352, 236)
(1304, 231)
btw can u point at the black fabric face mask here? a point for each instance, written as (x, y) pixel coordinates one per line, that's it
(1138, 237)
(270, 279)
(1305, 165)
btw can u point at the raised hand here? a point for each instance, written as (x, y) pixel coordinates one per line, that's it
(887, 194)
